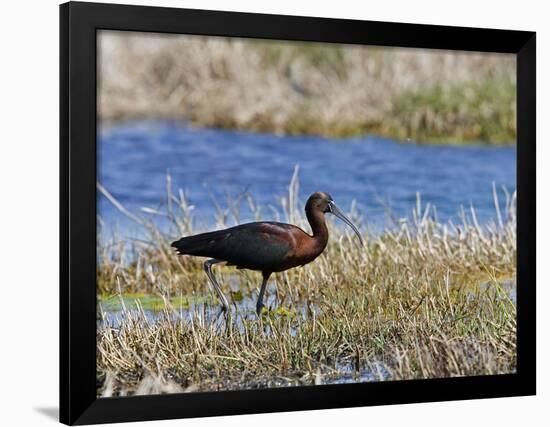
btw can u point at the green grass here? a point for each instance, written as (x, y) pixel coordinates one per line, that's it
(420, 300)
(480, 112)
(130, 301)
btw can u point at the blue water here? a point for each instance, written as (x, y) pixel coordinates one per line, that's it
(134, 159)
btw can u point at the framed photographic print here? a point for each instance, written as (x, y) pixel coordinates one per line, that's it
(274, 213)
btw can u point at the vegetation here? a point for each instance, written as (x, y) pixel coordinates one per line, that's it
(470, 112)
(421, 300)
(309, 88)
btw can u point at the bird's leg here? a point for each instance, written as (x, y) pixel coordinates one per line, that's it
(208, 269)
(259, 303)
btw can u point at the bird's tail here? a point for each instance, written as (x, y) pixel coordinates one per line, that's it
(183, 246)
(195, 245)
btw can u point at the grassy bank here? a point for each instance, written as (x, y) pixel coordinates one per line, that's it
(420, 300)
(307, 88)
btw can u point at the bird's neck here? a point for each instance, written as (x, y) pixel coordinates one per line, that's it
(319, 228)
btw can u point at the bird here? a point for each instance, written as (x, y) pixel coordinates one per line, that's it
(265, 246)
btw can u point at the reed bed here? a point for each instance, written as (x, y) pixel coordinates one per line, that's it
(308, 88)
(422, 299)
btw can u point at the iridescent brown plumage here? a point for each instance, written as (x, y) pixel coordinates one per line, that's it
(268, 247)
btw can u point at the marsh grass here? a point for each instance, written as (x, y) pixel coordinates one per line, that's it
(308, 88)
(422, 299)
(471, 111)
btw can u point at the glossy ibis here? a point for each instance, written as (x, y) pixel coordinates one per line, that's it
(267, 246)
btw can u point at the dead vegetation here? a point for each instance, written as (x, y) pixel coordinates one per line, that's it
(308, 88)
(421, 300)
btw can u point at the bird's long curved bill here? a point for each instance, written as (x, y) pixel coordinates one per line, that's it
(334, 210)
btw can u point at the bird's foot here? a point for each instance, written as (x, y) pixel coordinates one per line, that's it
(259, 309)
(224, 310)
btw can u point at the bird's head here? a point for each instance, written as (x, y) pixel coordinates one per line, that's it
(324, 202)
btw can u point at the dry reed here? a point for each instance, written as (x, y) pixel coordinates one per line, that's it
(421, 300)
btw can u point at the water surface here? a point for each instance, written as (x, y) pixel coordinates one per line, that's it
(208, 164)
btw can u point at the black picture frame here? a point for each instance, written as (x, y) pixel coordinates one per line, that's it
(78, 25)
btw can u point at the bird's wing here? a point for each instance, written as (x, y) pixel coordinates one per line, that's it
(258, 245)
